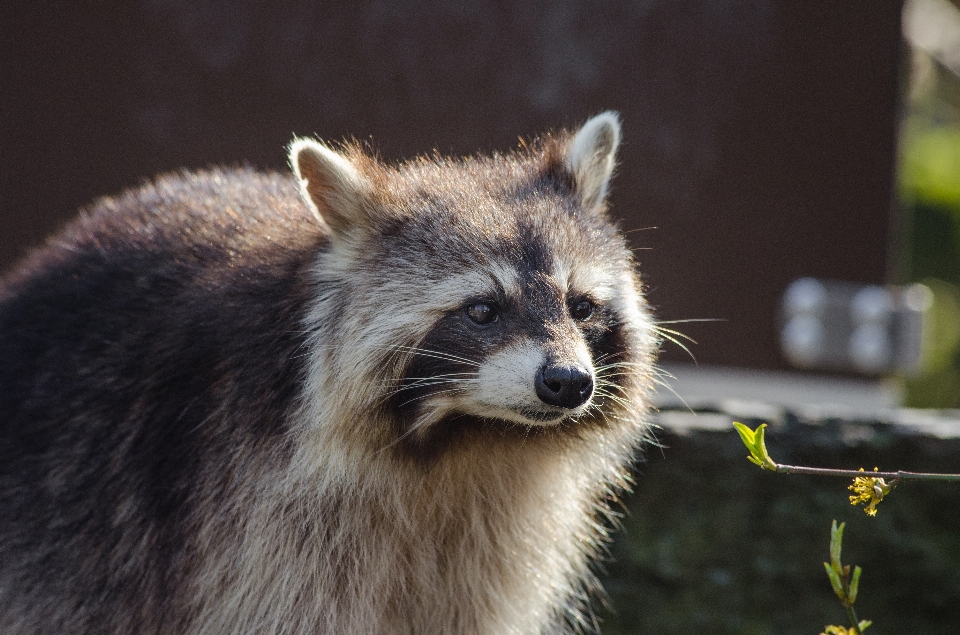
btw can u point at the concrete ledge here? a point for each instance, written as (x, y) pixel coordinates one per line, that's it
(689, 384)
(718, 417)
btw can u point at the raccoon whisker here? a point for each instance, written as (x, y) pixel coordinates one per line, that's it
(662, 372)
(660, 382)
(622, 364)
(660, 376)
(616, 399)
(397, 386)
(640, 229)
(410, 382)
(201, 424)
(313, 343)
(659, 322)
(450, 358)
(606, 374)
(661, 330)
(601, 380)
(602, 395)
(416, 426)
(432, 394)
(613, 390)
(399, 439)
(400, 389)
(621, 380)
(611, 379)
(625, 364)
(588, 411)
(605, 389)
(678, 343)
(305, 342)
(466, 376)
(397, 391)
(654, 441)
(605, 357)
(424, 384)
(526, 435)
(184, 412)
(468, 373)
(437, 354)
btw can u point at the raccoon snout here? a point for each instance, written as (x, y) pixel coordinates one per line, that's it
(564, 386)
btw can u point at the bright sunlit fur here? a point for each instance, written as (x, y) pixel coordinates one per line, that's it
(379, 515)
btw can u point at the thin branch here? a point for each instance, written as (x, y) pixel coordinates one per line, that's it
(854, 622)
(823, 471)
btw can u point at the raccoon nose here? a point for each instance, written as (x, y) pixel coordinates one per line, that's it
(564, 386)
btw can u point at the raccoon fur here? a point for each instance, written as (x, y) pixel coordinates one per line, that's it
(367, 398)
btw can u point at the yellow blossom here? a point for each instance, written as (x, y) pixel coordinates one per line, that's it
(845, 630)
(869, 490)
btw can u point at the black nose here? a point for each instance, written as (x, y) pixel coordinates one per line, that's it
(564, 386)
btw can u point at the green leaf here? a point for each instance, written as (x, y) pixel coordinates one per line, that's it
(753, 439)
(836, 542)
(746, 435)
(854, 585)
(761, 445)
(864, 624)
(834, 581)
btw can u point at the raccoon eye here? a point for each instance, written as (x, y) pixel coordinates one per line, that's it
(582, 310)
(481, 313)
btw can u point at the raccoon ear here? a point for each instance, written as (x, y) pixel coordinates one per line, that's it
(591, 157)
(333, 188)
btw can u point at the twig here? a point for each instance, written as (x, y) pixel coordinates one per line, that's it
(901, 475)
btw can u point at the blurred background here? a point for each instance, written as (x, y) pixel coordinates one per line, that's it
(766, 142)
(760, 135)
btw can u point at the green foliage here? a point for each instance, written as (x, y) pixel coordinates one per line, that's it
(844, 585)
(930, 169)
(753, 439)
(930, 193)
(937, 384)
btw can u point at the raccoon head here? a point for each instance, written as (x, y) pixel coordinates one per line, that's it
(480, 290)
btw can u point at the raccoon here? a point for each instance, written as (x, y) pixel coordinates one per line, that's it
(364, 398)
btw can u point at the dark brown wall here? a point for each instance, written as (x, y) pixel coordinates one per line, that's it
(758, 133)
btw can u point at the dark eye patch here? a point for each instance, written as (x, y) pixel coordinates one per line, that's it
(445, 362)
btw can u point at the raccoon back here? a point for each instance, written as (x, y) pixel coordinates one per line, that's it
(134, 360)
